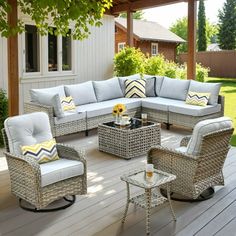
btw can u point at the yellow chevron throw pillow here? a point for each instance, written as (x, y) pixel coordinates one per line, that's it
(199, 99)
(67, 103)
(135, 88)
(42, 152)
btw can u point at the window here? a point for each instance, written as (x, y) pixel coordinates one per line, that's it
(52, 52)
(32, 57)
(154, 49)
(66, 53)
(121, 46)
(47, 55)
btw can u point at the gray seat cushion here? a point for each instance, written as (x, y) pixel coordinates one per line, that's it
(70, 116)
(107, 89)
(36, 93)
(27, 129)
(174, 88)
(81, 93)
(105, 108)
(55, 171)
(212, 88)
(158, 103)
(205, 127)
(181, 107)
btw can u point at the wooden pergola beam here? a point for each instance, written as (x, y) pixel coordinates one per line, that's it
(192, 26)
(13, 75)
(141, 4)
(130, 31)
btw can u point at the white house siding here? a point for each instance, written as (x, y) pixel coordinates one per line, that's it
(94, 61)
(95, 54)
(3, 63)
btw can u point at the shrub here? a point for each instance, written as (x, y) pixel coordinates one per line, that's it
(129, 61)
(170, 69)
(201, 73)
(3, 112)
(155, 65)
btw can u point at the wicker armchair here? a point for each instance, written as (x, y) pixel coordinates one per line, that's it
(26, 176)
(198, 170)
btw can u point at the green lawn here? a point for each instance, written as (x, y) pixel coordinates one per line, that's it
(228, 89)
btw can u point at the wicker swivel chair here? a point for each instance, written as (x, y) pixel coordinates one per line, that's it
(41, 184)
(199, 160)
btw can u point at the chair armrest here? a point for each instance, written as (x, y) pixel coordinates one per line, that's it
(70, 152)
(185, 140)
(24, 164)
(162, 152)
(221, 101)
(30, 107)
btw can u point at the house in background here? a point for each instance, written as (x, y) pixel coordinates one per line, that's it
(150, 37)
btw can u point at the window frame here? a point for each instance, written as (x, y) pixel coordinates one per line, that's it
(156, 45)
(123, 44)
(43, 54)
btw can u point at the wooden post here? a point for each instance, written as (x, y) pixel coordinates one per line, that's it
(13, 75)
(130, 34)
(192, 17)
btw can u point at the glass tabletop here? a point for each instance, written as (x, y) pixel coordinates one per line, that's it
(138, 178)
(134, 124)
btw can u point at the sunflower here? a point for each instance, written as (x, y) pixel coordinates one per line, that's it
(118, 109)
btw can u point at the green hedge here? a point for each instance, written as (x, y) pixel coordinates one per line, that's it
(3, 112)
(130, 61)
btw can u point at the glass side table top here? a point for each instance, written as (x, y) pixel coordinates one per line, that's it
(134, 124)
(138, 178)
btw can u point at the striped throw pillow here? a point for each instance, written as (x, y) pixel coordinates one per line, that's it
(199, 99)
(42, 152)
(67, 103)
(135, 88)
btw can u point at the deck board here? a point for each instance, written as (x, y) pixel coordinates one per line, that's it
(100, 211)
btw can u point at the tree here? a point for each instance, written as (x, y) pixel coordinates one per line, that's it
(202, 40)
(227, 25)
(138, 15)
(180, 27)
(61, 14)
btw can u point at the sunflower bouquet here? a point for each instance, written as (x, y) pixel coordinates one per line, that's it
(118, 109)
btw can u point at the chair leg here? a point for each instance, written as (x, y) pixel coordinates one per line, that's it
(70, 202)
(205, 195)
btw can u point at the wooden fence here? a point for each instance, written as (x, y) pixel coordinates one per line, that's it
(221, 63)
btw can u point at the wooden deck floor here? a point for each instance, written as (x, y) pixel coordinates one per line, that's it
(99, 213)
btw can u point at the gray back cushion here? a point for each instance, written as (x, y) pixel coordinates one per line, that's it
(27, 129)
(153, 86)
(35, 93)
(107, 89)
(174, 88)
(205, 127)
(52, 100)
(212, 88)
(123, 79)
(81, 93)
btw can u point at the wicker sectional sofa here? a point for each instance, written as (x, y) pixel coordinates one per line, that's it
(94, 100)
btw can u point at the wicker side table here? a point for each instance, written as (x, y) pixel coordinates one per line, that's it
(151, 197)
(130, 141)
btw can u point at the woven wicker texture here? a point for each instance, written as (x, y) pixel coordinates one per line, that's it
(26, 178)
(127, 143)
(194, 173)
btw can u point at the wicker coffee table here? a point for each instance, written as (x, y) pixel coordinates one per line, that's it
(152, 196)
(129, 141)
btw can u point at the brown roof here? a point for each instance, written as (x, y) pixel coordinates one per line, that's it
(148, 30)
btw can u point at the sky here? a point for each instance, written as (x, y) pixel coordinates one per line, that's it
(167, 15)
